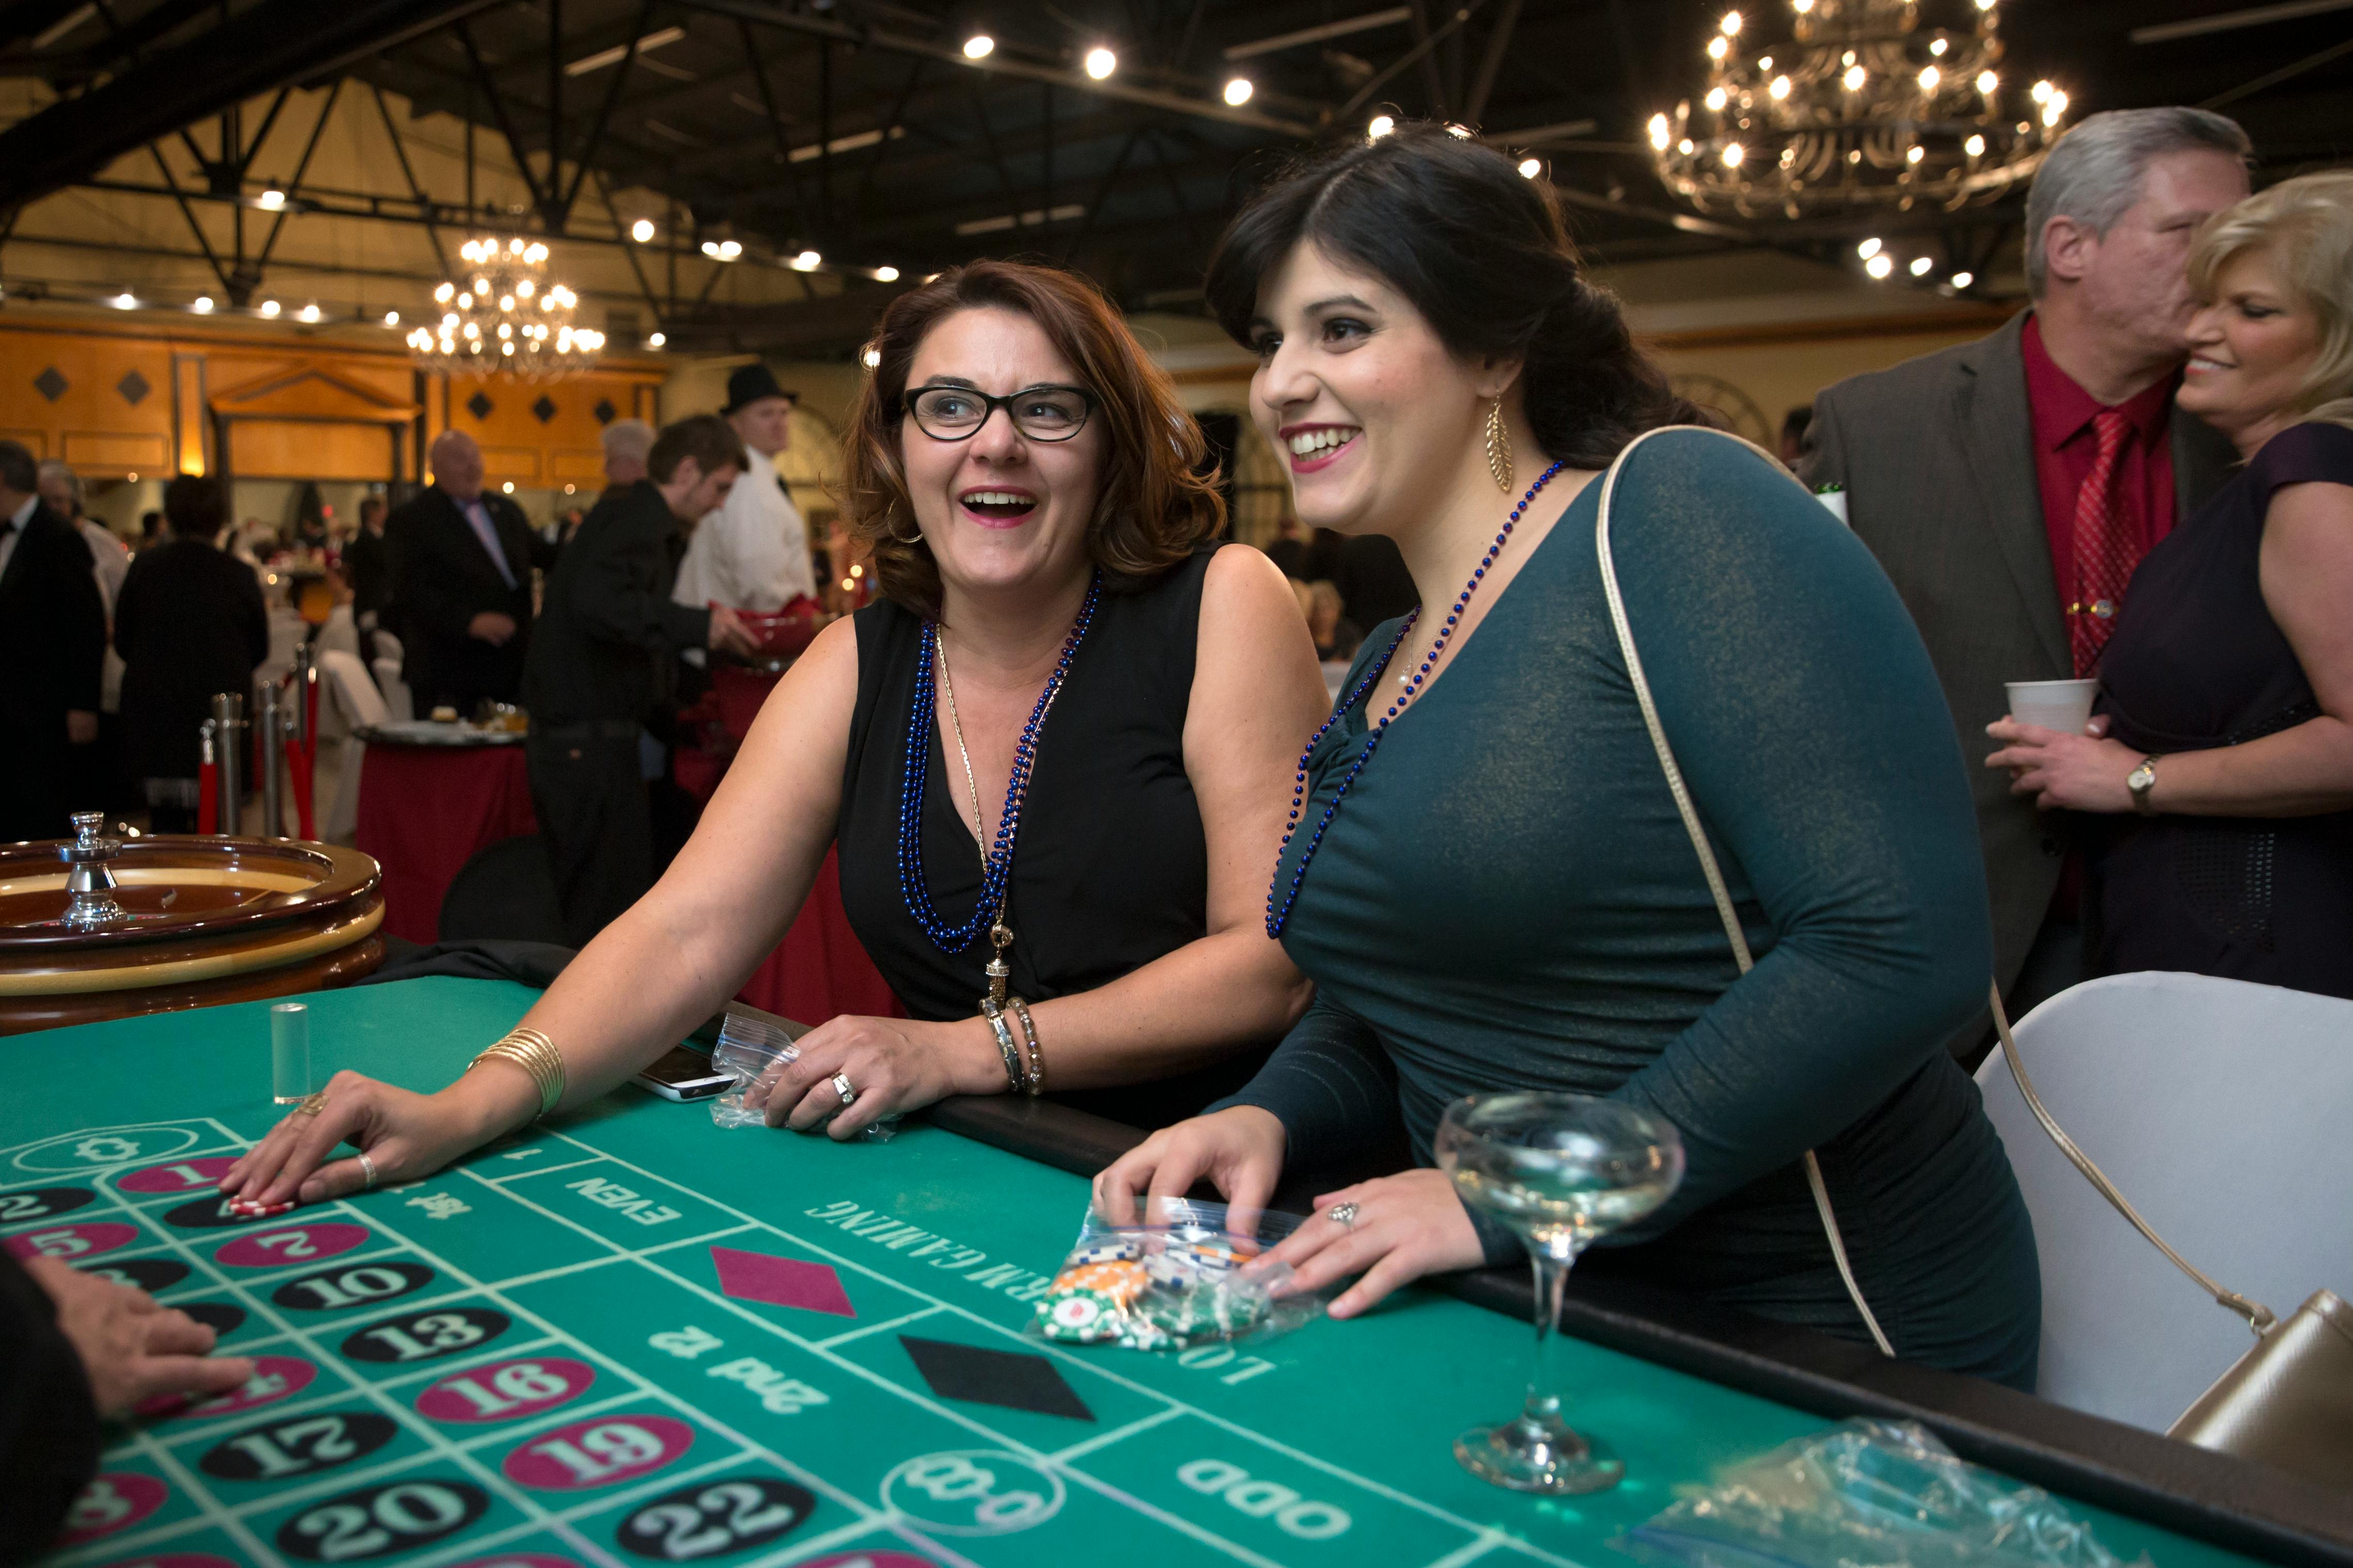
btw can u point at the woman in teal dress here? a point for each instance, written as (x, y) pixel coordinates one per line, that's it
(1490, 882)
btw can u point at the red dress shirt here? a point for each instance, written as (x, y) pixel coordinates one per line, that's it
(2065, 446)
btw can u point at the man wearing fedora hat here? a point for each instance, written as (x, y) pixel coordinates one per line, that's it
(753, 553)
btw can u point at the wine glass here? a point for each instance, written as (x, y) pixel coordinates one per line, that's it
(1560, 1170)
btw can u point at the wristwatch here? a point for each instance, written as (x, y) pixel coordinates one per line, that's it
(2140, 781)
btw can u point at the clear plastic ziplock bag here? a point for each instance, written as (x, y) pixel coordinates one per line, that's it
(751, 1043)
(1184, 1277)
(1881, 1493)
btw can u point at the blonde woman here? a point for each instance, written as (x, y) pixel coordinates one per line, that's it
(2224, 757)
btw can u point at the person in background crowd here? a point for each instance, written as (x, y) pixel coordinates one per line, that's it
(752, 554)
(76, 1350)
(1031, 488)
(61, 491)
(1792, 449)
(151, 529)
(603, 660)
(369, 571)
(1336, 637)
(2225, 774)
(461, 558)
(190, 624)
(98, 781)
(1372, 578)
(1503, 895)
(2008, 485)
(1287, 548)
(627, 443)
(52, 651)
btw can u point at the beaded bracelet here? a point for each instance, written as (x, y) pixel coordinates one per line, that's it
(535, 1054)
(1030, 1032)
(1004, 1045)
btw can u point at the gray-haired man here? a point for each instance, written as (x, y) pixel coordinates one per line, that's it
(2008, 485)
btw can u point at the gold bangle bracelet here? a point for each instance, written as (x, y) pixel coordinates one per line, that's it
(1029, 1033)
(536, 1054)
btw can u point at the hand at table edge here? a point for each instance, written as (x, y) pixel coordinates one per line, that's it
(406, 1135)
(1239, 1151)
(1404, 1227)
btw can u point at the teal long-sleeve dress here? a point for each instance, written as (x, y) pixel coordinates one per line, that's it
(1507, 899)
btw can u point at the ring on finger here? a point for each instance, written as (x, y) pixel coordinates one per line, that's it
(842, 1086)
(367, 1173)
(312, 1103)
(1342, 1215)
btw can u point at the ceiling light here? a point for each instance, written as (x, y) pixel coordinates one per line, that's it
(273, 199)
(1379, 126)
(1879, 265)
(886, 275)
(1530, 167)
(979, 47)
(1101, 63)
(270, 308)
(1921, 266)
(657, 340)
(1963, 280)
(126, 300)
(1238, 91)
(807, 261)
(392, 318)
(620, 52)
(310, 311)
(642, 231)
(204, 305)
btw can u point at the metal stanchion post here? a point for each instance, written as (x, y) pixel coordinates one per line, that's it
(273, 765)
(228, 728)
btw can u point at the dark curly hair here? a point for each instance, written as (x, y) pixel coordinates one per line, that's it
(1159, 500)
(1482, 252)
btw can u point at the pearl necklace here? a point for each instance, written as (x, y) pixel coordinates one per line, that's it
(1279, 900)
(997, 861)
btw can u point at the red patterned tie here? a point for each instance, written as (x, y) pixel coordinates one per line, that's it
(2105, 557)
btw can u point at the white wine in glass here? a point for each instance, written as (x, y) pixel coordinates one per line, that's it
(1560, 1170)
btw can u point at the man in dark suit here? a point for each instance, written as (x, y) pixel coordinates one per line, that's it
(2008, 485)
(461, 560)
(604, 661)
(52, 648)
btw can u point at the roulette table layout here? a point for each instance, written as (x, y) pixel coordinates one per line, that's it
(629, 1336)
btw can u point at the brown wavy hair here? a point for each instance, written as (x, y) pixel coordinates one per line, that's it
(1158, 501)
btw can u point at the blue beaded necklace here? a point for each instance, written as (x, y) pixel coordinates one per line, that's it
(997, 865)
(1279, 899)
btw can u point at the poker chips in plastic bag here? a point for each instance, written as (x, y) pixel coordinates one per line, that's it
(751, 1043)
(1177, 1279)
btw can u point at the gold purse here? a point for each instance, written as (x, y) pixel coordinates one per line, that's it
(2288, 1402)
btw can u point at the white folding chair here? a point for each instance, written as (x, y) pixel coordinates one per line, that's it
(2217, 1108)
(388, 678)
(356, 698)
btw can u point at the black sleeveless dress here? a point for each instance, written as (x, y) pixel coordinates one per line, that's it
(2196, 662)
(1111, 869)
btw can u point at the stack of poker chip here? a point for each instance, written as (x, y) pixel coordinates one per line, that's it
(1153, 1290)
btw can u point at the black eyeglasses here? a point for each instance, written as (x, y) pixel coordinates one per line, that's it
(1041, 413)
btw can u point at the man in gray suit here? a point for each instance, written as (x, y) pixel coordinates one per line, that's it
(1967, 472)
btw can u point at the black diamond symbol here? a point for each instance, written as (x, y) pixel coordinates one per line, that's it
(544, 409)
(50, 384)
(134, 387)
(604, 411)
(995, 1377)
(480, 405)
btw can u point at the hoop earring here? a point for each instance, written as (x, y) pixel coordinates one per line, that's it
(1499, 448)
(891, 531)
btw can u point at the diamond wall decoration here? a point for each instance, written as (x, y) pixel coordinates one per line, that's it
(605, 411)
(544, 409)
(51, 384)
(133, 386)
(480, 405)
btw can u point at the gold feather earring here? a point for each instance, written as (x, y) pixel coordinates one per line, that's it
(1499, 448)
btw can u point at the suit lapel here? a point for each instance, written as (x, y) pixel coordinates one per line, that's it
(1998, 433)
(474, 541)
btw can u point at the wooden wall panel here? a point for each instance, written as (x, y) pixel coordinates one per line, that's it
(312, 449)
(100, 452)
(90, 384)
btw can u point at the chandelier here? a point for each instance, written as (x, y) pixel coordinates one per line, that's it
(1860, 106)
(504, 316)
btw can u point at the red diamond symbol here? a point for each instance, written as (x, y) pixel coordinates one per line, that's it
(781, 1282)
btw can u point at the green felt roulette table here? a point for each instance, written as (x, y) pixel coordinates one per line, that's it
(630, 1337)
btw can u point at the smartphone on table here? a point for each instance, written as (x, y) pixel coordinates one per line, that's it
(684, 1075)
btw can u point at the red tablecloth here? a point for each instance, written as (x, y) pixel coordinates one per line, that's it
(425, 811)
(820, 969)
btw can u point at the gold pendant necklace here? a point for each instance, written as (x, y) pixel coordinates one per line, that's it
(1000, 936)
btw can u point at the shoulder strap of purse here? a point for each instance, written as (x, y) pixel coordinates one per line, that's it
(2259, 1316)
(1699, 843)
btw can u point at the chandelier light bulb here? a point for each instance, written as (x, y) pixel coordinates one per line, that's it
(1660, 135)
(642, 231)
(1802, 7)
(1937, 46)
(1780, 88)
(1716, 99)
(1929, 77)
(523, 289)
(1869, 248)
(979, 47)
(1733, 155)
(1915, 152)
(1855, 78)
(1879, 265)
(444, 293)
(1239, 90)
(1718, 46)
(2040, 93)
(1989, 82)
(1975, 146)
(506, 302)
(1101, 63)
(1731, 24)
(1685, 146)
(514, 247)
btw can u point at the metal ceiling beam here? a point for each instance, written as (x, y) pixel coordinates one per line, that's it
(1001, 64)
(267, 45)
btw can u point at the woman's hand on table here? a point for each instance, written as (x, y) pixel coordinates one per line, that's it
(1402, 1228)
(1238, 1151)
(893, 1065)
(404, 1135)
(2076, 773)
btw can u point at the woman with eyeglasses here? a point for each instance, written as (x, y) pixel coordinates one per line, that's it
(1054, 756)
